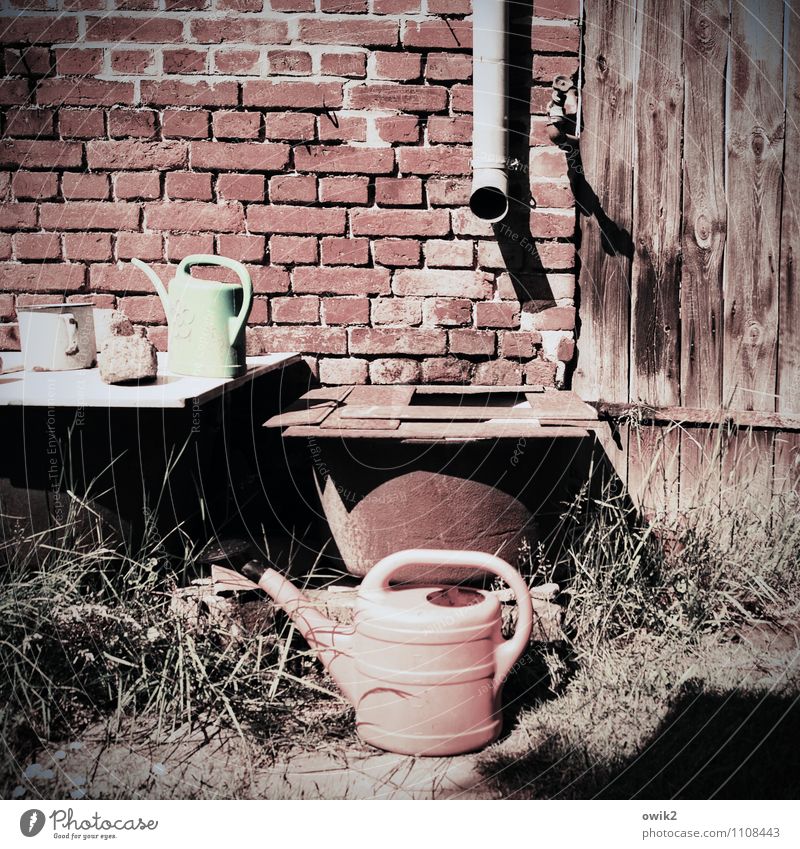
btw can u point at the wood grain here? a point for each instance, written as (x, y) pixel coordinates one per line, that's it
(655, 276)
(705, 54)
(755, 159)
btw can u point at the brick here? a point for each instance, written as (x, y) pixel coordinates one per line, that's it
(116, 28)
(145, 246)
(236, 125)
(398, 128)
(243, 248)
(396, 66)
(498, 373)
(555, 318)
(473, 342)
(519, 345)
(342, 370)
(133, 62)
(243, 156)
(293, 188)
(136, 155)
(390, 191)
(449, 254)
(337, 250)
(347, 311)
(240, 5)
(179, 247)
(447, 130)
(448, 312)
(259, 311)
(143, 309)
(170, 92)
(9, 337)
(441, 160)
(89, 215)
(138, 123)
(320, 340)
(289, 126)
(460, 97)
(32, 184)
(85, 186)
(295, 219)
(540, 372)
(351, 190)
(81, 123)
(291, 95)
(38, 30)
(124, 277)
(560, 37)
(341, 281)
(41, 154)
(298, 309)
(229, 30)
(27, 62)
(449, 7)
(184, 124)
(544, 286)
(491, 255)
(137, 185)
(556, 194)
(566, 349)
(447, 191)
(288, 62)
(463, 284)
(268, 280)
(293, 250)
(393, 370)
(74, 61)
(397, 252)
(95, 247)
(343, 159)
(448, 66)
(363, 32)
(343, 64)
(184, 61)
(188, 185)
(386, 340)
(403, 98)
(403, 311)
(396, 7)
(540, 99)
(292, 5)
(552, 224)
(7, 307)
(344, 128)
(38, 123)
(466, 224)
(5, 246)
(13, 92)
(439, 34)
(51, 277)
(447, 370)
(344, 7)
(192, 216)
(17, 216)
(249, 187)
(557, 9)
(547, 162)
(83, 92)
(237, 62)
(400, 222)
(503, 314)
(37, 246)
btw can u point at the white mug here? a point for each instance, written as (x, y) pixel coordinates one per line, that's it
(57, 337)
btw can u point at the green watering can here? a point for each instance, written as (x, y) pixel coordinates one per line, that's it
(206, 318)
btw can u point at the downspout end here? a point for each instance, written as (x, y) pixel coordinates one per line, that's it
(489, 197)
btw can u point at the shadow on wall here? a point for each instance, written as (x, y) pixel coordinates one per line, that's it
(726, 746)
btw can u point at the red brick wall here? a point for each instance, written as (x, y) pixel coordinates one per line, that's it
(326, 143)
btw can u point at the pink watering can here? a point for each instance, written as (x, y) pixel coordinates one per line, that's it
(423, 666)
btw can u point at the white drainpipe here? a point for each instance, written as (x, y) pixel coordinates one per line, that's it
(489, 197)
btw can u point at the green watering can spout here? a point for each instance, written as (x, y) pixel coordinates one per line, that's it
(162, 292)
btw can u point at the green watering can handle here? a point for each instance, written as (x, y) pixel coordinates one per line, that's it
(244, 276)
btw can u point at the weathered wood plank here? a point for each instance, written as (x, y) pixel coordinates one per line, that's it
(747, 471)
(700, 468)
(787, 463)
(434, 431)
(755, 159)
(655, 276)
(604, 199)
(654, 469)
(337, 420)
(692, 415)
(380, 395)
(435, 413)
(705, 54)
(789, 299)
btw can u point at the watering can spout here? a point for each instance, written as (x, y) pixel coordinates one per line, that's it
(331, 640)
(159, 286)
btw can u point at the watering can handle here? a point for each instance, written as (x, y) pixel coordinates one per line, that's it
(244, 278)
(507, 653)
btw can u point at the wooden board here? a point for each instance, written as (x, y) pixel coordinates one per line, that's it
(336, 420)
(755, 161)
(448, 389)
(705, 55)
(435, 431)
(788, 388)
(302, 413)
(559, 404)
(434, 413)
(655, 276)
(747, 463)
(604, 200)
(654, 469)
(700, 469)
(787, 463)
(381, 395)
(327, 393)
